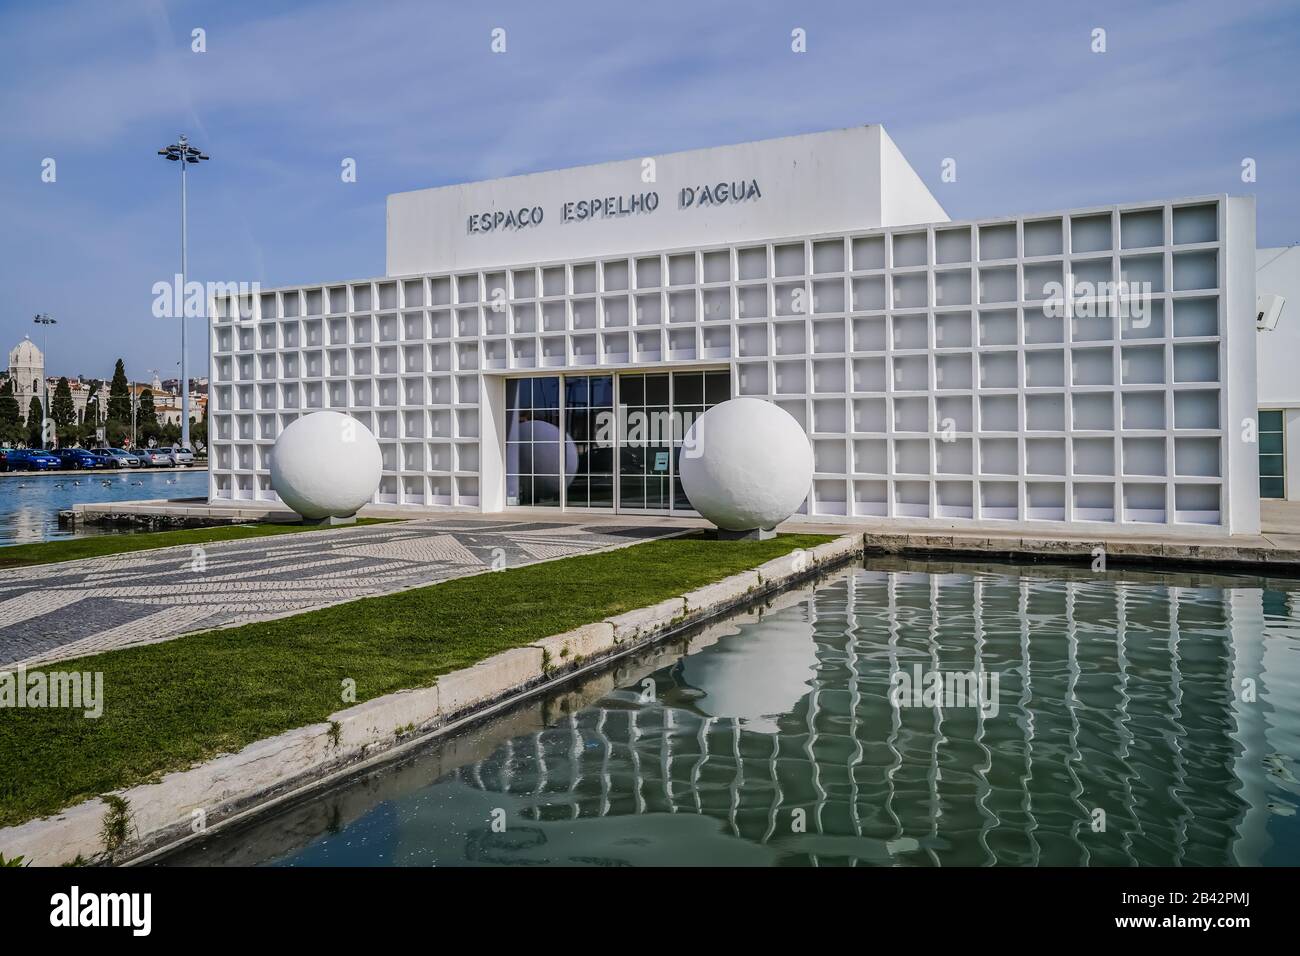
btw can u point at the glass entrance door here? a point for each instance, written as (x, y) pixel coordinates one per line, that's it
(656, 410)
(604, 442)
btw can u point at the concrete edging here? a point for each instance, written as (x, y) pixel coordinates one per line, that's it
(217, 792)
(1038, 548)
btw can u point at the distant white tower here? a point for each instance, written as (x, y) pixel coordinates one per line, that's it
(26, 371)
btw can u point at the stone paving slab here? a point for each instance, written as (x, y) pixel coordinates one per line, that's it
(56, 611)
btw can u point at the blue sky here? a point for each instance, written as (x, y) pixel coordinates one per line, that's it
(411, 90)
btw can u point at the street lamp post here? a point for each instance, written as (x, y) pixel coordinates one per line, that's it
(45, 321)
(182, 152)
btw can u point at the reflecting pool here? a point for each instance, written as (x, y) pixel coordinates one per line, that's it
(30, 503)
(1126, 718)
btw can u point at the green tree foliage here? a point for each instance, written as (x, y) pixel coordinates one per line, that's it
(119, 398)
(146, 417)
(90, 415)
(11, 416)
(199, 430)
(117, 434)
(35, 418)
(62, 409)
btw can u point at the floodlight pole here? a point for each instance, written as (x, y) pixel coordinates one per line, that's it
(181, 151)
(45, 321)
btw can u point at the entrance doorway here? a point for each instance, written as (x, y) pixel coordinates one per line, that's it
(604, 442)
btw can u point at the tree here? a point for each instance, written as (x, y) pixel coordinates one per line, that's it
(35, 421)
(119, 398)
(63, 411)
(11, 416)
(90, 414)
(146, 417)
(199, 431)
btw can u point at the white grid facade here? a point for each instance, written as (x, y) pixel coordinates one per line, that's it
(923, 361)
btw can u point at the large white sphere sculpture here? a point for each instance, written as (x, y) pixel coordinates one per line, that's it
(746, 465)
(325, 465)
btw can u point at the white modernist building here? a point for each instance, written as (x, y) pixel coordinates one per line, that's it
(1089, 366)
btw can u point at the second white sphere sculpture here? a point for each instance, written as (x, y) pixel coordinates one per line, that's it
(326, 465)
(751, 466)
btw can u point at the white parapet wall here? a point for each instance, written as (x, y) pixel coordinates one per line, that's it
(837, 180)
(1087, 367)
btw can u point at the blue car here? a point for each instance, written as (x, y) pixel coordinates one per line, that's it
(81, 458)
(33, 459)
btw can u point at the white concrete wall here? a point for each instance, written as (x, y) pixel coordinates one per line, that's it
(1237, 357)
(821, 182)
(1277, 272)
(1278, 351)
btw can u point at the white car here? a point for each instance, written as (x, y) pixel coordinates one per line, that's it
(182, 455)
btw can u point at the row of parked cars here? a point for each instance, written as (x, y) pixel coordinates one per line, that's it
(42, 459)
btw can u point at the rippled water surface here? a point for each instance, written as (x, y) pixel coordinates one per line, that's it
(1139, 718)
(30, 503)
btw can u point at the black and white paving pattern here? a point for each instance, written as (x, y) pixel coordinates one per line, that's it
(56, 611)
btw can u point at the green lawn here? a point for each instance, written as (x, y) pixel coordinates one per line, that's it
(99, 545)
(169, 705)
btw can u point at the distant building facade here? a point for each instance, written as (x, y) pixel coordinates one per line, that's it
(26, 370)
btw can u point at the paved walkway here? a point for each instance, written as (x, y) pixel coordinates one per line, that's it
(52, 612)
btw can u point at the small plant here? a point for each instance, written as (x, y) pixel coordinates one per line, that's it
(335, 732)
(116, 828)
(564, 651)
(12, 861)
(405, 729)
(546, 659)
(77, 860)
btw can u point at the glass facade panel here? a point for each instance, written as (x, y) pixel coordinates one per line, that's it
(589, 423)
(568, 444)
(533, 442)
(1272, 454)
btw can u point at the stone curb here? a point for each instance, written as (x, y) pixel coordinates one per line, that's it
(1137, 552)
(185, 802)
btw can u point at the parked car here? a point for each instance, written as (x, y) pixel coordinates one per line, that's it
(33, 459)
(157, 457)
(120, 457)
(183, 455)
(70, 458)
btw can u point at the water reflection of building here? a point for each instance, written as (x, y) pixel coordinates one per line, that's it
(1116, 695)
